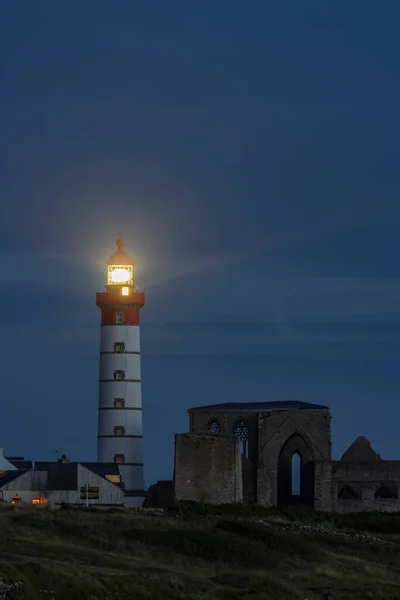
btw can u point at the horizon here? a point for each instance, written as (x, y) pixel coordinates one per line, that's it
(249, 157)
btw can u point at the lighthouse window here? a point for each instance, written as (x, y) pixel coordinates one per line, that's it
(119, 318)
(119, 459)
(119, 374)
(119, 403)
(119, 430)
(119, 347)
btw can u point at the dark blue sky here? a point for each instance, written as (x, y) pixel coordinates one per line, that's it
(249, 151)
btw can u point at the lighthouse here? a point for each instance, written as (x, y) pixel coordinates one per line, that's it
(120, 437)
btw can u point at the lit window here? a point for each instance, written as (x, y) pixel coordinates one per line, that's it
(114, 478)
(119, 459)
(119, 347)
(119, 318)
(89, 492)
(119, 403)
(119, 430)
(39, 500)
(119, 374)
(120, 274)
(16, 500)
(125, 291)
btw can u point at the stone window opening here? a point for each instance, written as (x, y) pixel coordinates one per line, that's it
(119, 347)
(296, 474)
(119, 374)
(385, 493)
(119, 403)
(119, 430)
(241, 430)
(347, 493)
(213, 426)
(296, 455)
(119, 459)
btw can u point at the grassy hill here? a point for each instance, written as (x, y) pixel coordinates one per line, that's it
(196, 552)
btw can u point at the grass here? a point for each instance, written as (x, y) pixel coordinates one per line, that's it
(197, 552)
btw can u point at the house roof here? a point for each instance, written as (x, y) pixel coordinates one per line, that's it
(62, 476)
(259, 406)
(44, 465)
(101, 469)
(9, 476)
(20, 463)
(5, 465)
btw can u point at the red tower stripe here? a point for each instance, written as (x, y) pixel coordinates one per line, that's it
(131, 316)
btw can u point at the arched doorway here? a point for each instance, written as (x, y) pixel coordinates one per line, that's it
(296, 475)
(296, 488)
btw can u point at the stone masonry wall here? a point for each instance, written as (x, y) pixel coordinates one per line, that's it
(365, 478)
(227, 420)
(208, 468)
(274, 429)
(323, 485)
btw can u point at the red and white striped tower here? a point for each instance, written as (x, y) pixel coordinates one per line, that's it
(120, 437)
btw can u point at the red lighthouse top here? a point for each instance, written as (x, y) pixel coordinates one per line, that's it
(120, 257)
(121, 292)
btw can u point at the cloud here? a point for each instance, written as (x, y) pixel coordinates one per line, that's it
(235, 313)
(42, 269)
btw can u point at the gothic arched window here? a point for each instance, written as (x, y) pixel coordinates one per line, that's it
(385, 493)
(347, 493)
(241, 429)
(213, 426)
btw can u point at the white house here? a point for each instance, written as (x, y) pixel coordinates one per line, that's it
(64, 482)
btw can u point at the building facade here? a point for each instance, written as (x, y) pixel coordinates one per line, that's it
(64, 482)
(244, 452)
(120, 435)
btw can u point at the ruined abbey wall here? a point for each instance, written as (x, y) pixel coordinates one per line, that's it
(246, 455)
(361, 486)
(208, 468)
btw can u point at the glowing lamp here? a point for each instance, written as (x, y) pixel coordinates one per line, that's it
(120, 267)
(118, 274)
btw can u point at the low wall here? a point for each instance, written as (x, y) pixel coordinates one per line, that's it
(365, 479)
(352, 506)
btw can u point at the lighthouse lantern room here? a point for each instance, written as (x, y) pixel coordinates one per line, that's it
(120, 437)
